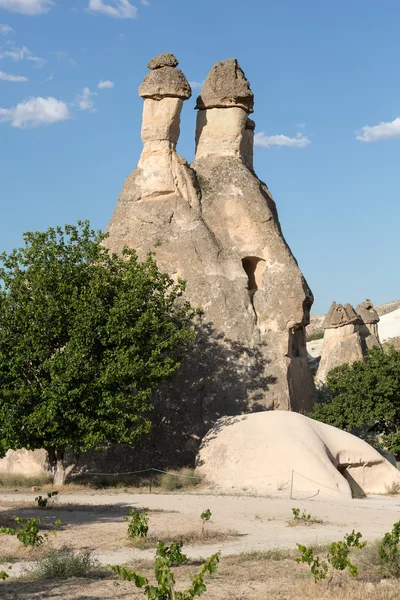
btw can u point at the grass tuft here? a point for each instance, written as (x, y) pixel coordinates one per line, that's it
(64, 563)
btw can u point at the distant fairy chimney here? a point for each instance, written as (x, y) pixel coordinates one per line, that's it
(339, 315)
(369, 327)
(349, 334)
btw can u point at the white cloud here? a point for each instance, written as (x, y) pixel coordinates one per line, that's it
(17, 54)
(34, 112)
(27, 7)
(84, 101)
(145, 2)
(105, 84)
(6, 29)
(301, 125)
(119, 9)
(62, 55)
(196, 84)
(383, 131)
(8, 77)
(265, 141)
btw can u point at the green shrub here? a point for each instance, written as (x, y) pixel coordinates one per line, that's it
(64, 563)
(177, 480)
(389, 552)
(165, 588)
(205, 517)
(137, 523)
(173, 553)
(42, 502)
(338, 556)
(28, 532)
(3, 576)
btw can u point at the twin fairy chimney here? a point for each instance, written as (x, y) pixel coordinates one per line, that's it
(349, 334)
(215, 224)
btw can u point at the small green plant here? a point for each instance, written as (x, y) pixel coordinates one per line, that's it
(42, 502)
(300, 517)
(28, 532)
(64, 563)
(3, 576)
(173, 553)
(205, 517)
(389, 552)
(137, 523)
(338, 556)
(165, 588)
(319, 569)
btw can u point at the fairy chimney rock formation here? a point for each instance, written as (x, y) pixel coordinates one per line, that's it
(369, 325)
(215, 224)
(342, 339)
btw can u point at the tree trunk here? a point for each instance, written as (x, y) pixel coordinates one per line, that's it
(58, 468)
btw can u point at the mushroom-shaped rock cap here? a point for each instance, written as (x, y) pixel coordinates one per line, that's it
(226, 86)
(250, 124)
(165, 82)
(339, 315)
(367, 312)
(163, 60)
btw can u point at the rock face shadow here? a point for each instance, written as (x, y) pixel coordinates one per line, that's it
(230, 379)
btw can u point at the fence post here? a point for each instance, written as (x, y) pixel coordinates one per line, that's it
(151, 481)
(291, 486)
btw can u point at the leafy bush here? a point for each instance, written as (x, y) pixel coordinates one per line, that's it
(64, 563)
(300, 517)
(28, 532)
(165, 589)
(137, 523)
(173, 553)
(365, 394)
(338, 556)
(42, 502)
(3, 576)
(389, 552)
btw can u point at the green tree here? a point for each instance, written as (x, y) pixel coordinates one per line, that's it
(365, 394)
(86, 336)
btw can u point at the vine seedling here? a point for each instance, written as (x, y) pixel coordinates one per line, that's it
(165, 588)
(173, 553)
(338, 556)
(28, 531)
(389, 551)
(205, 517)
(42, 502)
(137, 523)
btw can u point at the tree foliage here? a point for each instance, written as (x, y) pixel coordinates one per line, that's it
(85, 338)
(365, 394)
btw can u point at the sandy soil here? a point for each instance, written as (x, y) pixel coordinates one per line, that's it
(95, 521)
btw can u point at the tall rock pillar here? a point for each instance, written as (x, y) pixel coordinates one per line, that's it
(215, 225)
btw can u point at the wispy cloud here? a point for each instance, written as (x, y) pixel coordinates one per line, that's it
(383, 131)
(196, 84)
(35, 112)
(266, 141)
(301, 125)
(119, 9)
(105, 84)
(145, 2)
(6, 30)
(27, 7)
(17, 53)
(84, 101)
(64, 56)
(9, 77)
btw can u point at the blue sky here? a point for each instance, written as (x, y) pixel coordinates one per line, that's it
(327, 89)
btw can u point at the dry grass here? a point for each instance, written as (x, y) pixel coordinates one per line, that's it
(250, 576)
(189, 538)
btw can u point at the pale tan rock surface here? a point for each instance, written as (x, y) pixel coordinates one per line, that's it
(369, 324)
(24, 463)
(262, 452)
(215, 225)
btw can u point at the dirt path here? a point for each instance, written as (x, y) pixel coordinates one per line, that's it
(261, 523)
